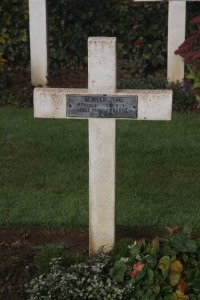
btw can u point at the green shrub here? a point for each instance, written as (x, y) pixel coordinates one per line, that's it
(14, 28)
(164, 268)
(120, 249)
(145, 83)
(15, 88)
(2, 50)
(128, 21)
(47, 253)
(86, 280)
(189, 50)
(71, 22)
(183, 98)
(4, 80)
(4, 84)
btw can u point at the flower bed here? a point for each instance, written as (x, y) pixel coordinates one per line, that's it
(162, 268)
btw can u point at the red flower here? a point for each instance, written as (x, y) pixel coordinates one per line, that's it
(172, 229)
(188, 57)
(198, 66)
(138, 42)
(196, 54)
(195, 20)
(182, 285)
(184, 48)
(137, 267)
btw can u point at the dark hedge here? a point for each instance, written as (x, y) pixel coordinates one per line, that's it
(71, 22)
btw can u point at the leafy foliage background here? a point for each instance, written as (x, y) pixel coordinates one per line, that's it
(71, 22)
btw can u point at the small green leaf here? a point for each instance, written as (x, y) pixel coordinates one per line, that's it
(183, 243)
(151, 260)
(135, 250)
(190, 76)
(145, 297)
(167, 289)
(187, 229)
(156, 289)
(140, 274)
(150, 276)
(169, 297)
(118, 271)
(153, 297)
(164, 263)
(174, 277)
(167, 250)
(165, 274)
(196, 85)
(160, 59)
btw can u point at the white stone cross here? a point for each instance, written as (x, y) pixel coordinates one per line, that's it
(176, 36)
(55, 103)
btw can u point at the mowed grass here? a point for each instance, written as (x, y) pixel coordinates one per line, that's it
(44, 172)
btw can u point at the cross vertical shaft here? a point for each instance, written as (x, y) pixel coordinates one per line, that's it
(102, 136)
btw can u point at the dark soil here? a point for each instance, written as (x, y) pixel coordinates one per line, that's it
(18, 247)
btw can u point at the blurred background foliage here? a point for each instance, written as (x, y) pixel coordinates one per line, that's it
(140, 28)
(71, 22)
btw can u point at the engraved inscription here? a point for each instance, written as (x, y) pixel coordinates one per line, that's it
(102, 106)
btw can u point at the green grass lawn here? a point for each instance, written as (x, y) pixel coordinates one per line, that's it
(44, 172)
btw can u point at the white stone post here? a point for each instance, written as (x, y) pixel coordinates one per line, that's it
(102, 135)
(38, 42)
(176, 36)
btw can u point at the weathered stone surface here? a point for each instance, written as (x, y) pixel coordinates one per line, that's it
(102, 135)
(38, 42)
(102, 65)
(152, 104)
(176, 36)
(54, 103)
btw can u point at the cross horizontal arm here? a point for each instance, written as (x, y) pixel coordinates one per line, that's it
(152, 104)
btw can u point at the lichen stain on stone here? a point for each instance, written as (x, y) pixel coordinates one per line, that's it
(55, 104)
